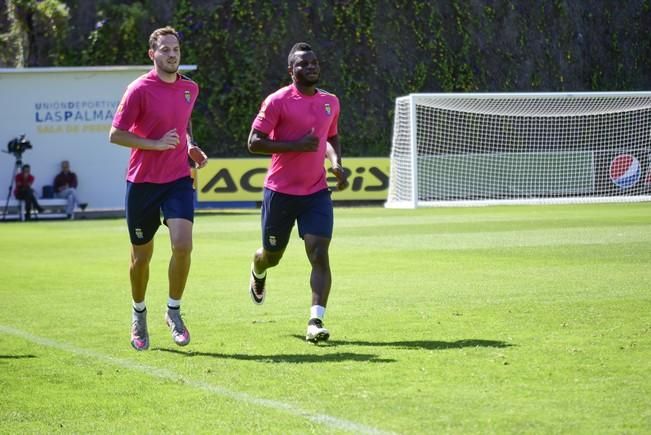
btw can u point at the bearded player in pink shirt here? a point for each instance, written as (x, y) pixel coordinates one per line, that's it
(295, 125)
(153, 119)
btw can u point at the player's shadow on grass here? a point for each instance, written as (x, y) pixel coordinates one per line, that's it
(290, 358)
(16, 356)
(420, 344)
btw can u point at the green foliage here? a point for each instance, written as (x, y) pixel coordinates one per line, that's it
(31, 20)
(120, 36)
(371, 52)
(347, 70)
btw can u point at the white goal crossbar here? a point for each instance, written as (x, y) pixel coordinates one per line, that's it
(526, 148)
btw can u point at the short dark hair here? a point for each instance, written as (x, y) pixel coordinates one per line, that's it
(153, 38)
(26, 166)
(299, 46)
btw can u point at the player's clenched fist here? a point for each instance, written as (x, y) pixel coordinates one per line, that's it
(309, 142)
(198, 157)
(169, 141)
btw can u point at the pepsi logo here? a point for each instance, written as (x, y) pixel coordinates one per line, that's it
(625, 171)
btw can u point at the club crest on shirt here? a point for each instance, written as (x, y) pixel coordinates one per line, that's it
(188, 96)
(327, 109)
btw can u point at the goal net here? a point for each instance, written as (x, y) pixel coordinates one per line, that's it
(476, 149)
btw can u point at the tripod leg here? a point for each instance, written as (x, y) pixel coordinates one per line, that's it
(11, 186)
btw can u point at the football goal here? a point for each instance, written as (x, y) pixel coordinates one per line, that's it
(530, 148)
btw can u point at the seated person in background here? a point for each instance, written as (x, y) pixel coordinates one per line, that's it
(24, 191)
(65, 186)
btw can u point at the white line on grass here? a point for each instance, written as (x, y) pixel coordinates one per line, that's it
(326, 420)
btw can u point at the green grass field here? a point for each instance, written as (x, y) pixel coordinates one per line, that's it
(518, 319)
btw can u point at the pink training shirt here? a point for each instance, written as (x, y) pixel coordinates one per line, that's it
(288, 115)
(150, 108)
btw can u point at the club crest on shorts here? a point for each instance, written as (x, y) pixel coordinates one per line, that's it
(272, 241)
(139, 233)
(328, 111)
(188, 96)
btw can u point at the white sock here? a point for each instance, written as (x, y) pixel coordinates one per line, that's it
(258, 275)
(174, 304)
(139, 306)
(317, 312)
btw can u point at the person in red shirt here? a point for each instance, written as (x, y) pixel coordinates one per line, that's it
(65, 186)
(24, 192)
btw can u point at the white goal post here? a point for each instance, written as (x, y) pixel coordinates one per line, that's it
(520, 148)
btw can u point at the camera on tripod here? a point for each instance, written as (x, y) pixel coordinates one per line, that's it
(18, 145)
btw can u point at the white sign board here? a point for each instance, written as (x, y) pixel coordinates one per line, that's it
(66, 114)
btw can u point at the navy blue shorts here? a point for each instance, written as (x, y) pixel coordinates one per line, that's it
(145, 201)
(279, 212)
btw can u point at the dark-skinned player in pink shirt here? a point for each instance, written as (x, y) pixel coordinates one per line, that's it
(153, 119)
(295, 125)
